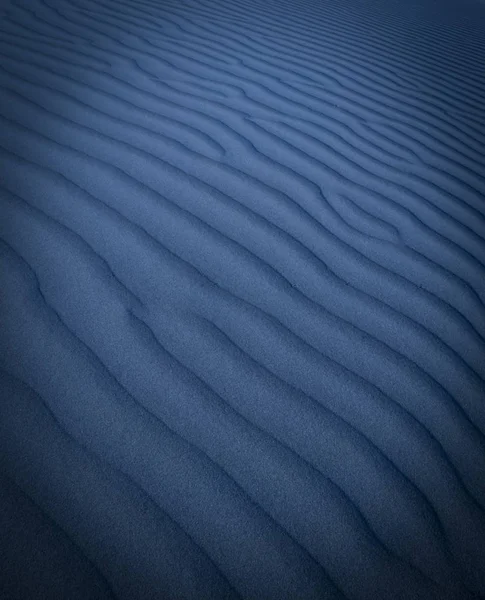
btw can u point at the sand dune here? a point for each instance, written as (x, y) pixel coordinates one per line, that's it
(242, 307)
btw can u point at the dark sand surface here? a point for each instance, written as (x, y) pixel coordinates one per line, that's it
(242, 287)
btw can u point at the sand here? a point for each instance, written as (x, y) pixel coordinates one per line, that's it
(242, 287)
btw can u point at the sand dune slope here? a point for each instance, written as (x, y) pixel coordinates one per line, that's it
(242, 299)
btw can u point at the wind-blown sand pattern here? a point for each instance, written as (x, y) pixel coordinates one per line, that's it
(242, 299)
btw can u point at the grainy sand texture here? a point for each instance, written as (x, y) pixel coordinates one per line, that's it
(242, 300)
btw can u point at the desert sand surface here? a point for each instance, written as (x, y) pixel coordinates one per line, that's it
(242, 287)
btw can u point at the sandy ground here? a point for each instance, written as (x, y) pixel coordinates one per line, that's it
(242, 286)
